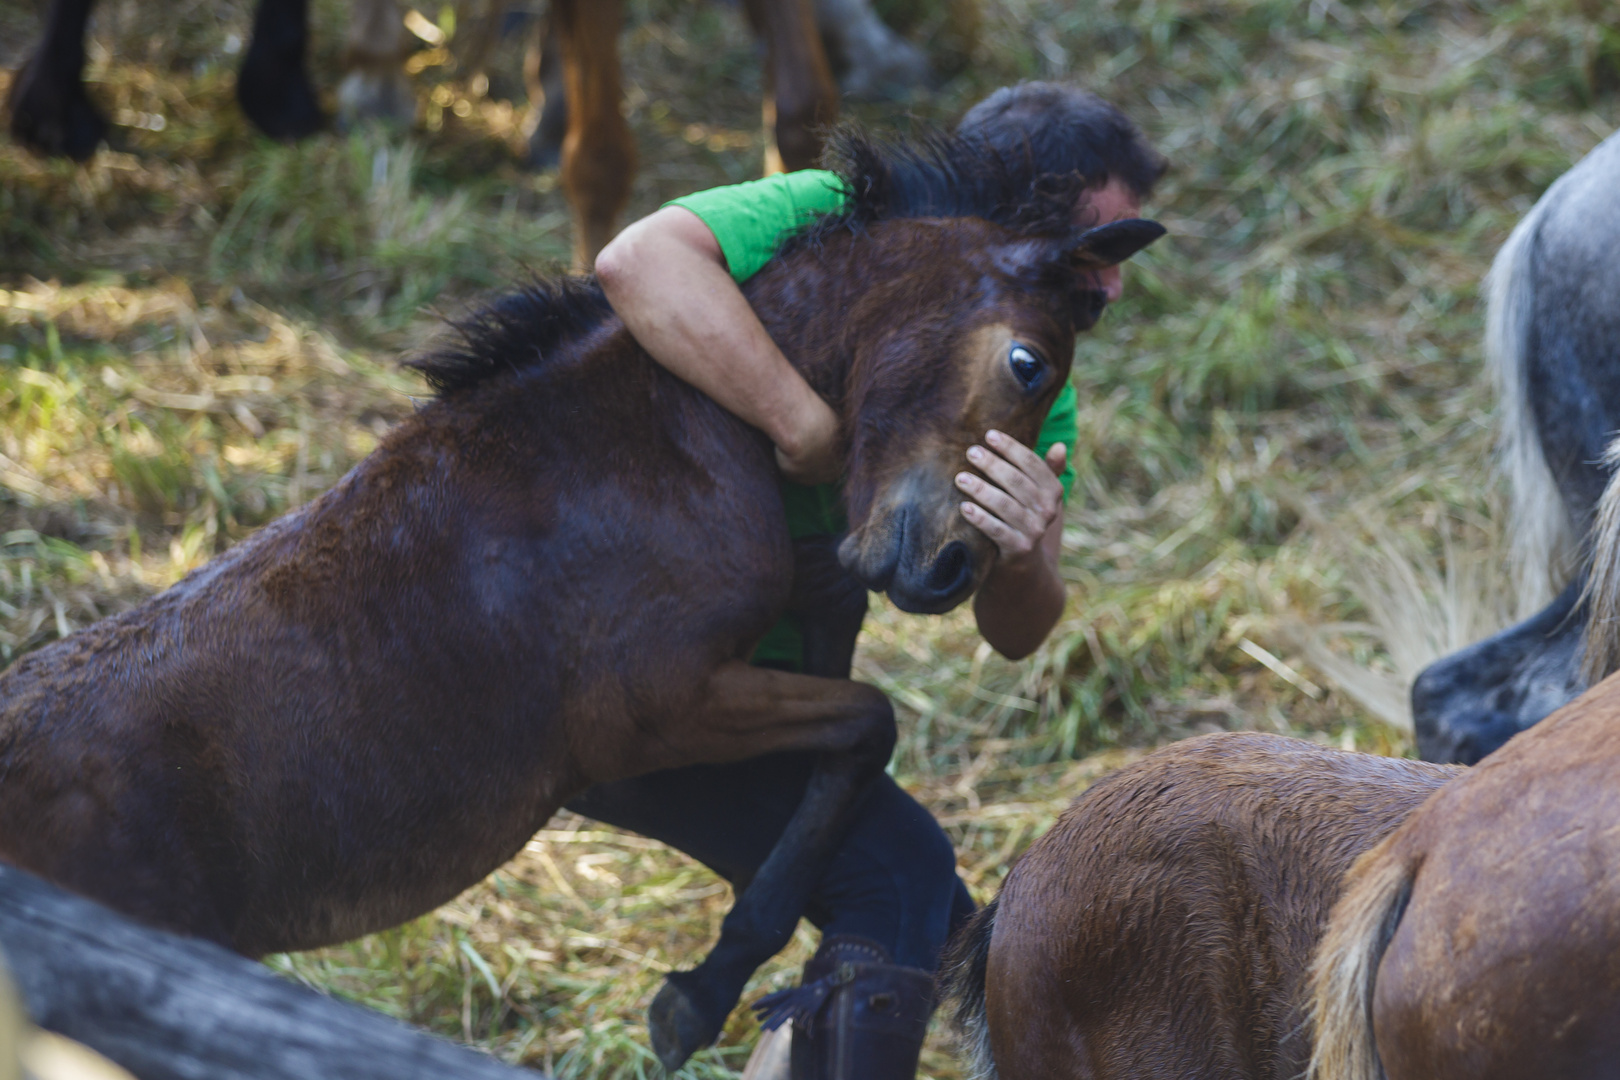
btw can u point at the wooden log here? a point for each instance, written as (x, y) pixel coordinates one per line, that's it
(173, 1008)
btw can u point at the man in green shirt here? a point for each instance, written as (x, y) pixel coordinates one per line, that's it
(891, 897)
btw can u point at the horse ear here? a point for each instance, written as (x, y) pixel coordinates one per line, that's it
(1108, 245)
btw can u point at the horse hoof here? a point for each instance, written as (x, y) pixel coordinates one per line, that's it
(54, 118)
(281, 104)
(677, 1025)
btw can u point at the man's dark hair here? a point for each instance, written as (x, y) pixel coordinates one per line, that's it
(1045, 129)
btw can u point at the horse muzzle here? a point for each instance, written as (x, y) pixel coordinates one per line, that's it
(894, 555)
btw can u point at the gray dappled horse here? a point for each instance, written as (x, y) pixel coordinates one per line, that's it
(1553, 340)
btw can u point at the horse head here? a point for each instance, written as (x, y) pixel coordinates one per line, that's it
(986, 342)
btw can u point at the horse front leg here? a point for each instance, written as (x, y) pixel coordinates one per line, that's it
(598, 153)
(273, 84)
(803, 97)
(749, 712)
(830, 604)
(50, 112)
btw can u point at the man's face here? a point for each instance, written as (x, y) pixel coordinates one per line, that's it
(1114, 201)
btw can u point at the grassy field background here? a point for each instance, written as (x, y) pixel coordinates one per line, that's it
(1285, 483)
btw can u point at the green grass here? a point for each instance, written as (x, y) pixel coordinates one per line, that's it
(198, 332)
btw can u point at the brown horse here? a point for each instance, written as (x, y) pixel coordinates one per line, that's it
(548, 578)
(1482, 939)
(1163, 927)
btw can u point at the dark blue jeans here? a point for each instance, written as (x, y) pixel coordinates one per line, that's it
(893, 880)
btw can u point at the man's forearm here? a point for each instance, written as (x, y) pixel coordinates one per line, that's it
(1019, 603)
(666, 279)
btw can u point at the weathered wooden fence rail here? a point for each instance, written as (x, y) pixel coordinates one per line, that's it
(171, 1008)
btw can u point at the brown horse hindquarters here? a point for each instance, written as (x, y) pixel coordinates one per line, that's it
(1163, 926)
(1505, 962)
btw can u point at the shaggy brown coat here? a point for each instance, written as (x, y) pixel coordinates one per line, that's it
(1163, 927)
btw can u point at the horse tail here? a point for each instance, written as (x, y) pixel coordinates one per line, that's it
(961, 980)
(1345, 969)
(1602, 589)
(1542, 540)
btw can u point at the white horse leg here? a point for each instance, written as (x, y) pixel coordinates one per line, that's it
(375, 87)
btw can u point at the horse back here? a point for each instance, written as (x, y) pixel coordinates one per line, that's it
(1162, 928)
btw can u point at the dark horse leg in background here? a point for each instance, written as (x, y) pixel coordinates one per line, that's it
(273, 85)
(1553, 332)
(51, 113)
(274, 81)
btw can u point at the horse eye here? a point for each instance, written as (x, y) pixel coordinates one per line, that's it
(1027, 366)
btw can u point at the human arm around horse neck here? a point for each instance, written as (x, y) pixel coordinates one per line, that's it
(667, 278)
(1018, 503)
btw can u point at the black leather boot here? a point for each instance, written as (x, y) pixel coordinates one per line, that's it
(856, 1016)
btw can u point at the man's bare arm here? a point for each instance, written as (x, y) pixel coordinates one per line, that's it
(666, 277)
(1018, 503)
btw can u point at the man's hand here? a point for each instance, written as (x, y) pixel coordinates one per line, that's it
(1018, 504)
(1021, 499)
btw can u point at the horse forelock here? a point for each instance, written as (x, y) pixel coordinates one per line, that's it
(939, 175)
(511, 333)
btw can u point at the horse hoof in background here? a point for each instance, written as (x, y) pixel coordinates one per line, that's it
(1163, 928)
(550, 578)
(1481, 940)
(1552, 320)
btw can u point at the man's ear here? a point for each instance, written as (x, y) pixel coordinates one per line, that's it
(1108, 245)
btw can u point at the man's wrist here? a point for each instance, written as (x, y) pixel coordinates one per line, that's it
(1020, 570)
(807, 429)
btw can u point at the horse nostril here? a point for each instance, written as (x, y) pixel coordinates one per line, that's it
(950, 567)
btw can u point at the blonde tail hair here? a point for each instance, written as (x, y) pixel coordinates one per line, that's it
(1602, 591)
(1345, 969)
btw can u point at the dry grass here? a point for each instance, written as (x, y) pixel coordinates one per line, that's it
(1284, 427)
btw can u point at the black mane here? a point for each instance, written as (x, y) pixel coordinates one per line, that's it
(931, 175)
(512, 332)
(940, 175)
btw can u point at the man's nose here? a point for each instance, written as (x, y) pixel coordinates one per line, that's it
(1111, 282)
(1107, 281)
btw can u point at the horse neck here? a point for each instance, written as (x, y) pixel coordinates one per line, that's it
(805, 301)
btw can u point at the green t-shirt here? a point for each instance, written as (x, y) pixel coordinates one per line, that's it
(751, 221)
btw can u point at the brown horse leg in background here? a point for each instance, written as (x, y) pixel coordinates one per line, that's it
(1163, 927)
(800, 96)
(1482, 940)
(599, 153)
